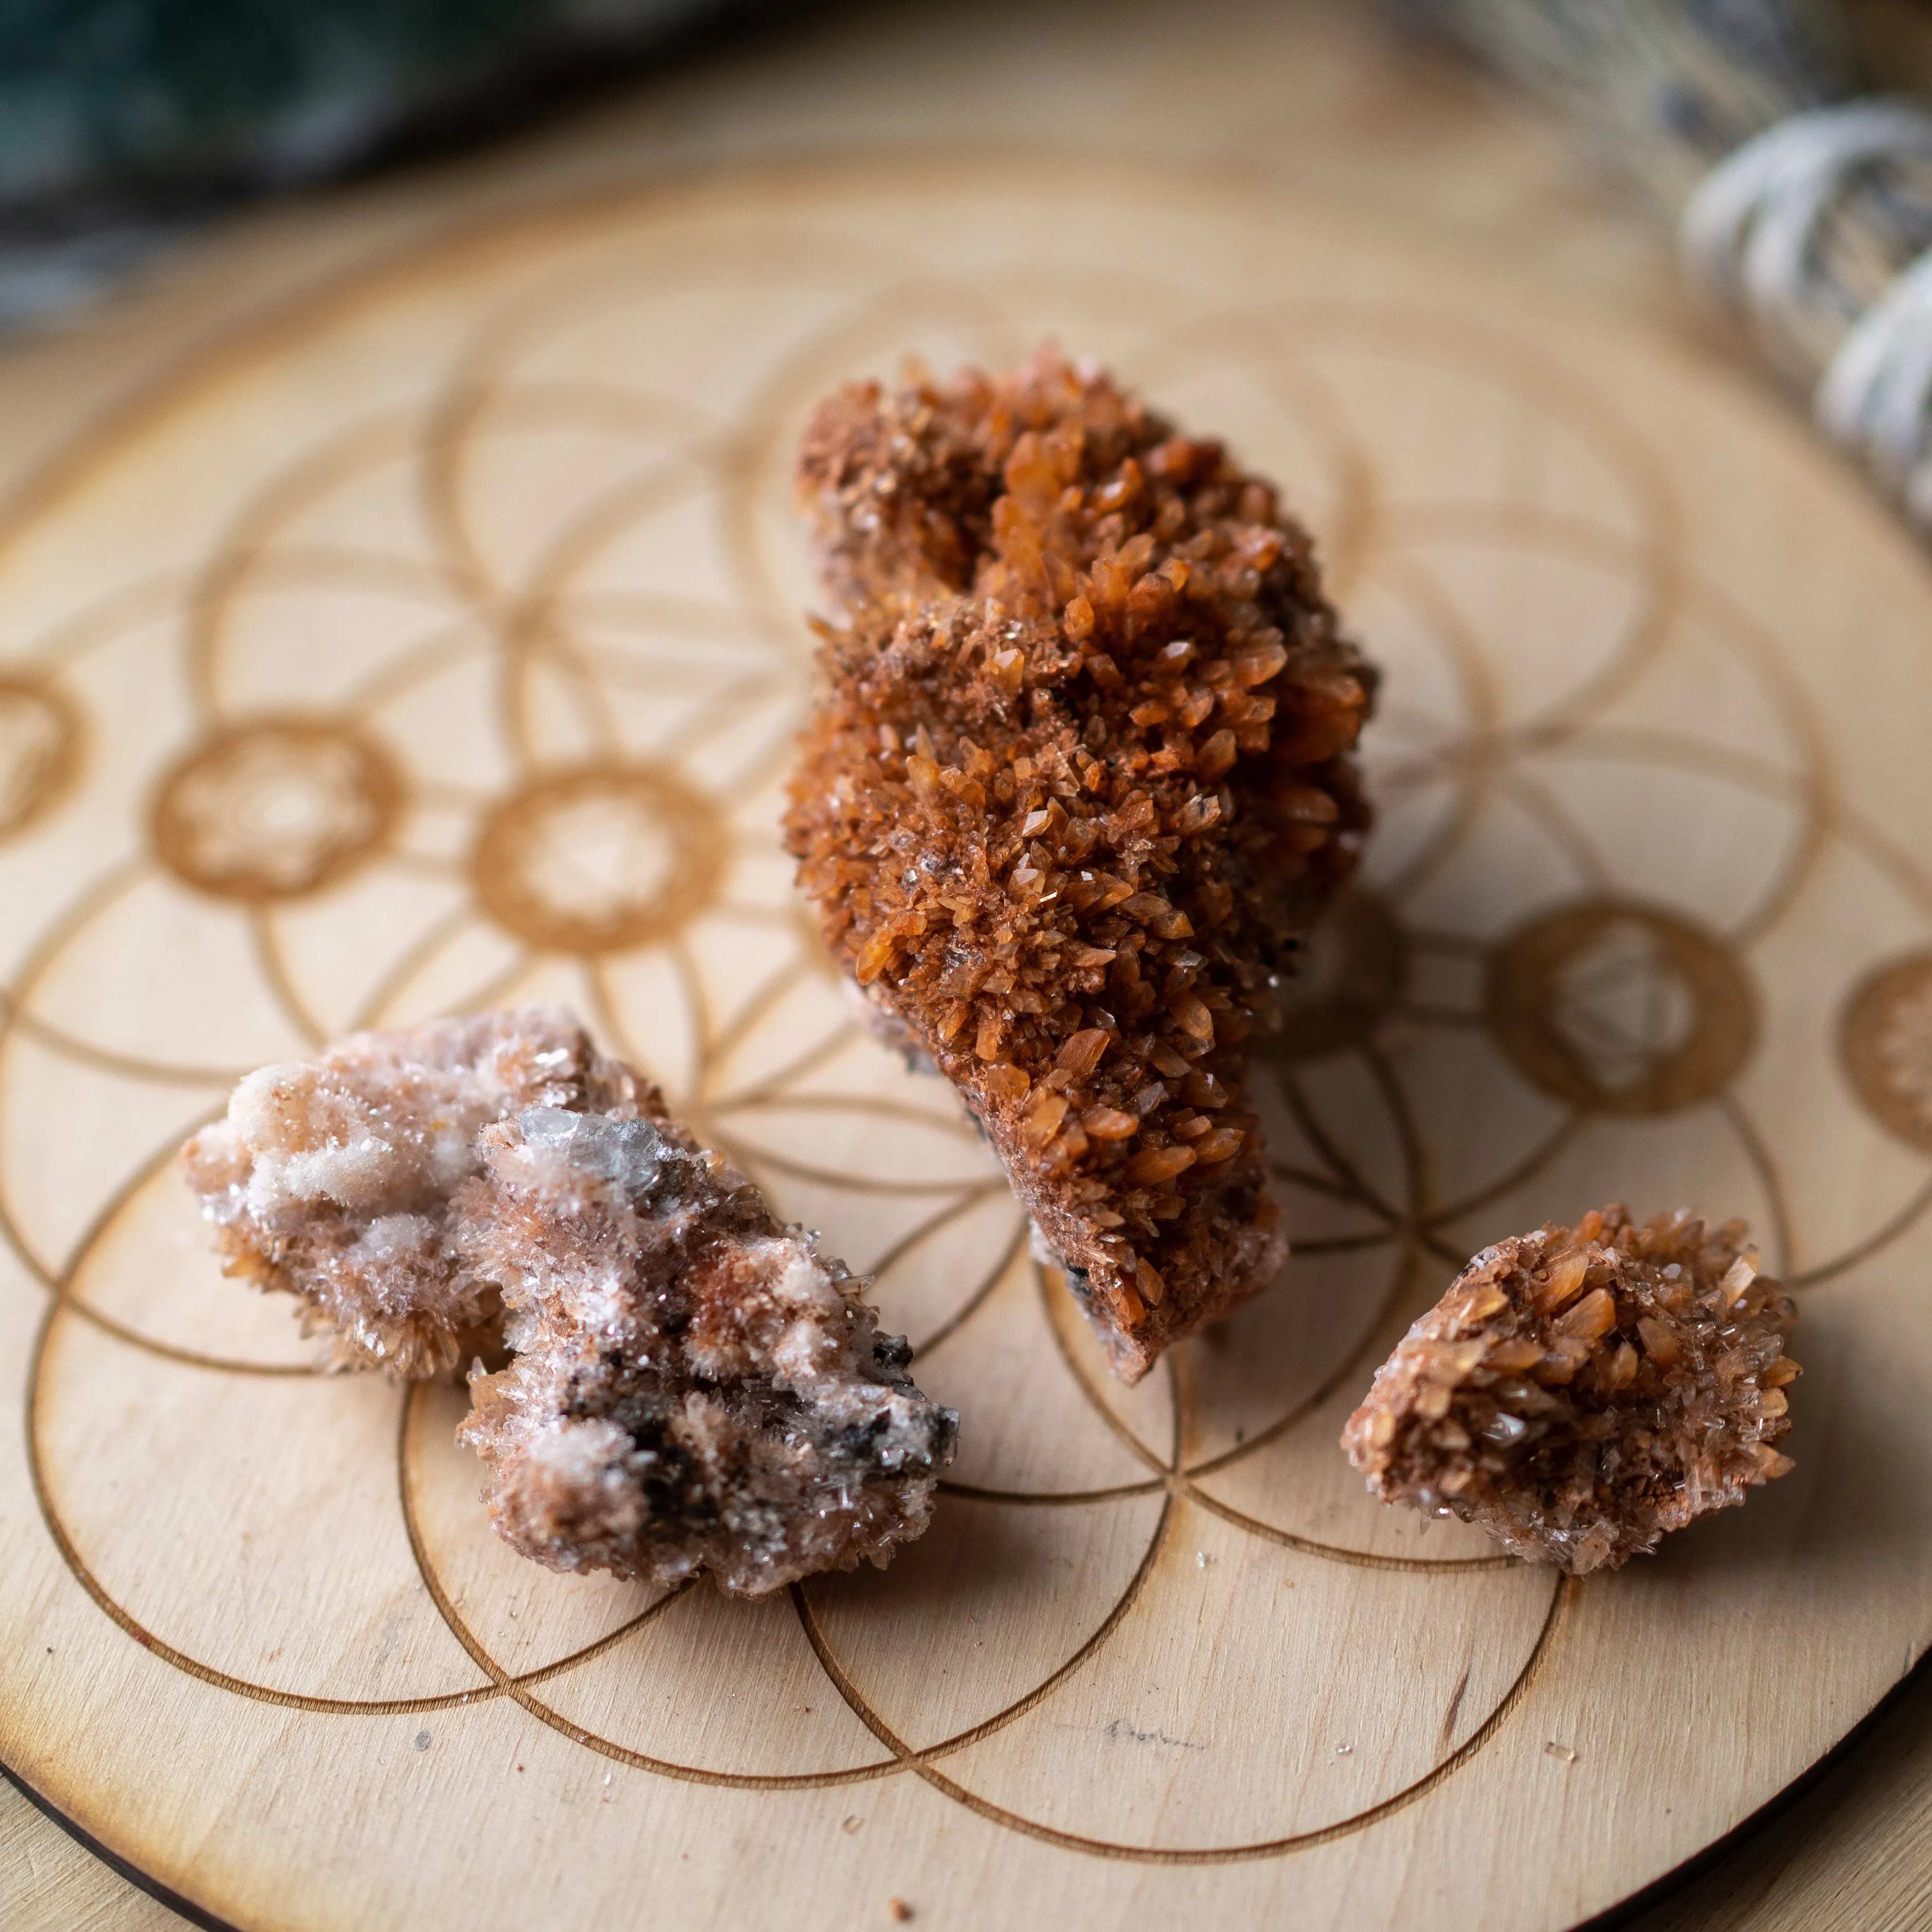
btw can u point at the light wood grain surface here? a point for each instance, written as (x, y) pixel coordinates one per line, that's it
(1530, 487)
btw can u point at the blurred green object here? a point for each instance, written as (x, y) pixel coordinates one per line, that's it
(123, 121)
(101, 98)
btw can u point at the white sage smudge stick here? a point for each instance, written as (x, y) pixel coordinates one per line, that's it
(1802, 206)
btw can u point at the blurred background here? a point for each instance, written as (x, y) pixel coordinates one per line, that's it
(126, 124)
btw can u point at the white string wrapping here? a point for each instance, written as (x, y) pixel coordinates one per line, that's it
(1874, 397)
(1805, 210)
(1758, 234)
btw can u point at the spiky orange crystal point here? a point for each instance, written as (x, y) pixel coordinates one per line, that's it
(1080, 773)
(1579, 1391)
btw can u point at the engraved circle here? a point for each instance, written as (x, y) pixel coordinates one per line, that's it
(1885, 1041)
(1618, 1007)
(599, 859)
(40, 751)
(276, 808)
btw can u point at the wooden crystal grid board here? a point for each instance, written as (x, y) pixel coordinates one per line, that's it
(439, 646)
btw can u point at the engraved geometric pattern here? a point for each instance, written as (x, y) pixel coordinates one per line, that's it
(440, 646)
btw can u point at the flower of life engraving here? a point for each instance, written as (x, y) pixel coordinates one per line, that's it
(467, 676)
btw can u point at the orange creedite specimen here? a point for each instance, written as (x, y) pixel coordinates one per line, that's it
(1579, 1391)
(1080, 773)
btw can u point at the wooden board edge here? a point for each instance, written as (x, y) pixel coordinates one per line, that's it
(164, 1895)
(1680, 1878)
(1613, 1918)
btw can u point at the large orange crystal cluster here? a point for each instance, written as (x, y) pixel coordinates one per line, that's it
(1579, 1391)
(1080, 775)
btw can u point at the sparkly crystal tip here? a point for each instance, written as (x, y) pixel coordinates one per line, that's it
(694, 1386)
(331, 1178)
(1579, 1391)
(1079, 774)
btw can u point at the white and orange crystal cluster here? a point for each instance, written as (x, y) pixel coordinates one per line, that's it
(690, 1385)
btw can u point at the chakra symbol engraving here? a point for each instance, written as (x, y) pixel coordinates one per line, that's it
(600, 859)
(1620, 1009)
(1620, 1005)
(1886, 1045)
(40, 751)
(276, 808)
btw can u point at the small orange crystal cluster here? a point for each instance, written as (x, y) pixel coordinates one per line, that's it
(1080, 774)
(1579, 1391)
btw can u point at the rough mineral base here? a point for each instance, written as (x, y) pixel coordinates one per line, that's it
(1080, 773)
(1579, 1391)
(691, 1386)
